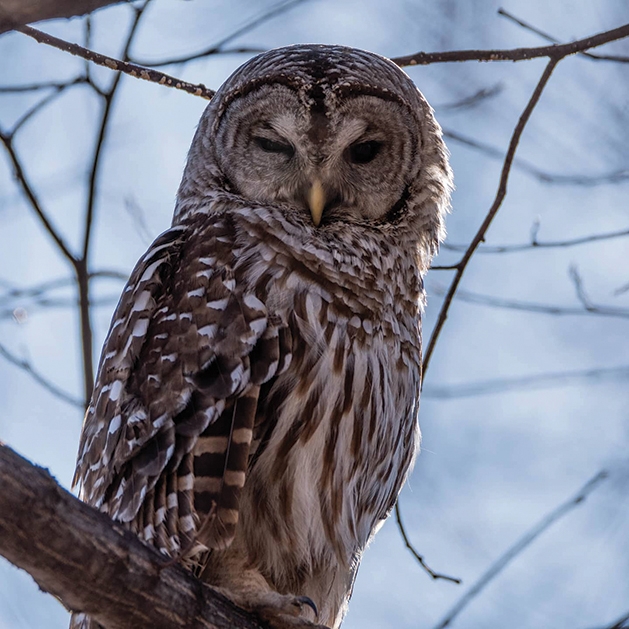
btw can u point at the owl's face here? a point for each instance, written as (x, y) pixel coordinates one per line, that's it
(328, 134)
(348, 159)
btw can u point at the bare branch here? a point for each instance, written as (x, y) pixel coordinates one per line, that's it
(493, 210)
(217, 48)
(537, 244)
(588, 309)
(139, 72)
(41, 105)
(621, 623)
(526, 540)
(20, 175)
(82, 265)
(36, 87)
(25, 366)
(616, 176)
(537, 381)
(14, 13)
(474, 99)
(95, 565)
(420, 558)
(549, 38)
(558, 51)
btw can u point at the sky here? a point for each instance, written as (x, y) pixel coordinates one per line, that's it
(505, 443)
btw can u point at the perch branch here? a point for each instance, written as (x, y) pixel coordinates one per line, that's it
(95, 565)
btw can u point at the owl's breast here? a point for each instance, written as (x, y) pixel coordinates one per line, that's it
(340, 425)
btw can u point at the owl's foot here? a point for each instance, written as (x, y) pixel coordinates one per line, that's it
(279, 611)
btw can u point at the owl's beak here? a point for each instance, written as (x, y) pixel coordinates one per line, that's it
(316, 201)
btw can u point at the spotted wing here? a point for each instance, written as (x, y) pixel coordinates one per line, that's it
(166, 438)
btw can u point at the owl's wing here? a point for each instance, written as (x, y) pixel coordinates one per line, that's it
(166, 437)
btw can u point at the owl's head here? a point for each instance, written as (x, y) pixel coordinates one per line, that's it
(333, 133)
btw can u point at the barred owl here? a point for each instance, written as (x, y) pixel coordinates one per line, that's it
(255, 411)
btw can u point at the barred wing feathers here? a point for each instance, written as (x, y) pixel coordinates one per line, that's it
(166, 438)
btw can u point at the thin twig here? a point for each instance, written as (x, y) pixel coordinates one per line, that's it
(550, 38)
(526, 540)
(540, 244)
(587, 309)
(523, 383)
(20, 175)
(82, 265)
(500, 194)
(139, 72)
(44, 102)
(557, 51)
(217, 48)
(621, 623)
(420, 558)
(472, 100)
(52, 388)
(617, 176)
(36, 87)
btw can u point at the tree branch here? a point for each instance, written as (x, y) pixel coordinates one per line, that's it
(137, 71)
(493, 210)
(25, 365)
(616, 176)
(528, 538)
(420, 558)
(587, 308)
(217, 48)
(95, 565)
(550, 38)
(523, 383)
(557, 51)
(15, 13)
(540, 244)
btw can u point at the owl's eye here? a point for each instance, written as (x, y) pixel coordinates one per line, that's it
(271, 146)
(364, 152)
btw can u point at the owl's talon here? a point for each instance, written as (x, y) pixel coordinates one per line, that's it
(306, 600)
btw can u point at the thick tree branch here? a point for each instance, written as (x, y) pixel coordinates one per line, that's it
(93, 564)
(15, 13)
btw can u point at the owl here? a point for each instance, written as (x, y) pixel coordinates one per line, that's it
(255, 411)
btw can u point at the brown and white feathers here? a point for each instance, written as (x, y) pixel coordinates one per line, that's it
(258, 391)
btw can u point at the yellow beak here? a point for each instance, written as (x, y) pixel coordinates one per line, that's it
(316, 201)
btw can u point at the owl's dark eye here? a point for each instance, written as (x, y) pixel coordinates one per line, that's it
(364, 152)
(271, 146)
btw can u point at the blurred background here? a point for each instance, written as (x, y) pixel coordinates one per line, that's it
(527, 397)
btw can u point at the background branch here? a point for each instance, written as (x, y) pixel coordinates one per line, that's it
(14, 13)
(526, 540)
(493, 210)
